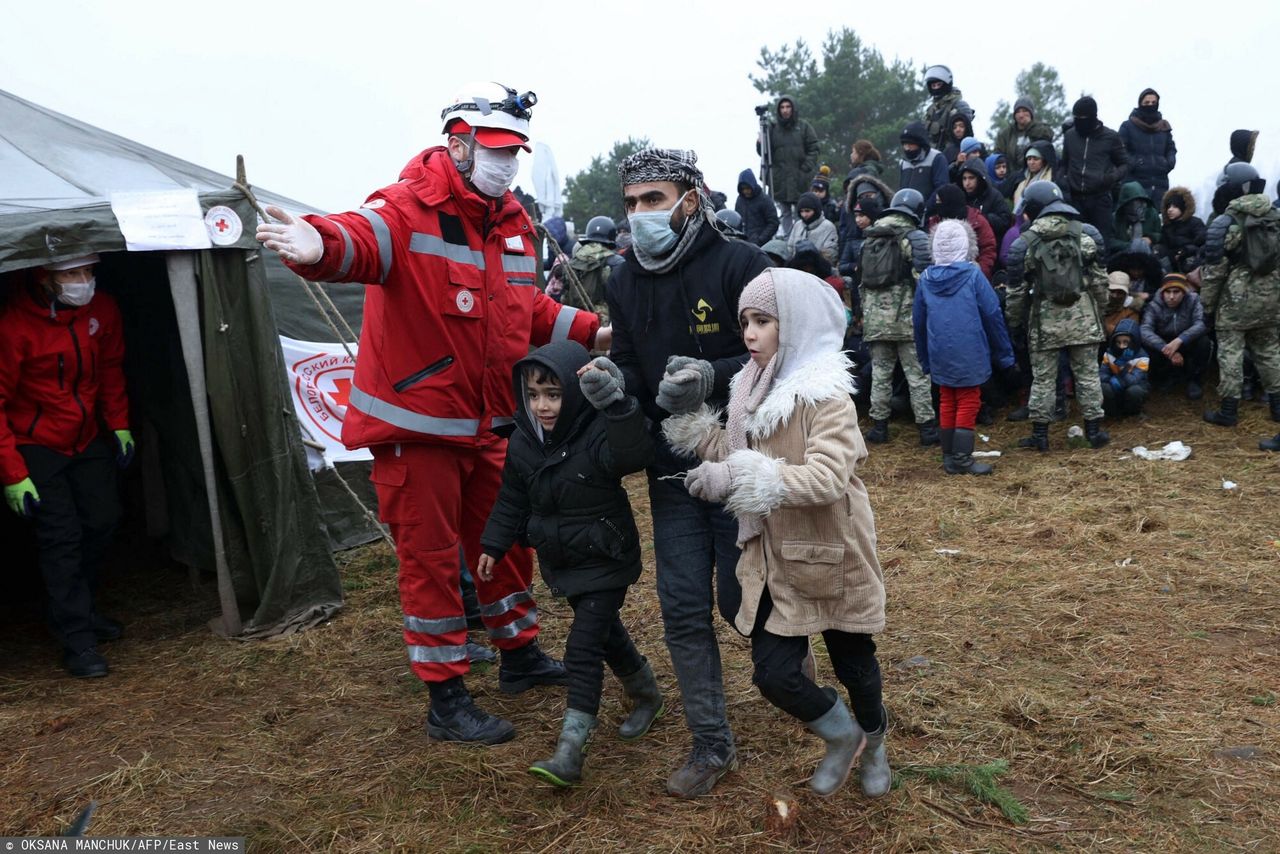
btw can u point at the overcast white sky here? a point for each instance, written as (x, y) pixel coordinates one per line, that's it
(327, 100)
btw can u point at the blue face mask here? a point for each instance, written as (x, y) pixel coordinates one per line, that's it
(652, 231)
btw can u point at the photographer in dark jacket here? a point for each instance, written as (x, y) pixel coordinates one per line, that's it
(1093, 162)
(674, 307)
(1148, 139)
(756, 207)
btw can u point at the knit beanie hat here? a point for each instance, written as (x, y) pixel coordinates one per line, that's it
(1118, 280)
(1175, 280)
(950, 242)
(810, 201)
(1034, 152)
(950, 202)
(1085, 106)
(969, 144)
(871, 207)
(823, 178)
(760, 294)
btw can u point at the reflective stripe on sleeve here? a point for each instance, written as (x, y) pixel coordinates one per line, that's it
(564, 321)
(501, 422)
(440, 626)
(383, 235)
(431, 244)
(348, 249)
(519, 264)
(505, 604)
(437, 654)
(515, 627)
(405, 419)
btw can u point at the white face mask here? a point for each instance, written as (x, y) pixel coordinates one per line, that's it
(77, 293)
(494, 170)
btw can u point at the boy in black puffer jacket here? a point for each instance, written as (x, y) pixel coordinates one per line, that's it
(562, 492)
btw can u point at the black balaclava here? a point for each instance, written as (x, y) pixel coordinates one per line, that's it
(950, 202)
(1085, 111)
(1150, 115)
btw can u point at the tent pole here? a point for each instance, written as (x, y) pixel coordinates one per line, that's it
(182, 285)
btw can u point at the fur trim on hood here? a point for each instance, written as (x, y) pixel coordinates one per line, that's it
(873, 181)
(1189, 203)
(819, 379)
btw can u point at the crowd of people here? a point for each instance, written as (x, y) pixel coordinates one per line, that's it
(736, 352)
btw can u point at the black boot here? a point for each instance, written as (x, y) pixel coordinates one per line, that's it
(528, 667)
(1039, 438)
(947, 436)
(88, 664)
(454, 717)
(879, 432)
(1272, 444)
(1095, 434)
(962, 455)
(928, 432)
(1226, 414)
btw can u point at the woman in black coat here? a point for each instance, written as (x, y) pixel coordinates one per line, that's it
(1149, 140)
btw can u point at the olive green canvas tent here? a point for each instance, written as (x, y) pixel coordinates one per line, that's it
(224, 462)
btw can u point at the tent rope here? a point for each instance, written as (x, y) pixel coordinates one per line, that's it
(565, 270)
(242, 184)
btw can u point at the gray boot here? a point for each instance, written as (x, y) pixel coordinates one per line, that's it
(845, 740)
(873, 770)
(564, 768)
(646, 703)
(962, 461)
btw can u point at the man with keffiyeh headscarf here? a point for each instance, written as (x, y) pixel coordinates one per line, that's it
(672, 303)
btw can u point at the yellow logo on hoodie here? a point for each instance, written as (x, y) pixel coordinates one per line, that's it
(700, 311)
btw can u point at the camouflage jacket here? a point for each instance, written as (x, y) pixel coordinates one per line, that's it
(937, 118)
(1048, 324)
(1236, 296)
(886, 312)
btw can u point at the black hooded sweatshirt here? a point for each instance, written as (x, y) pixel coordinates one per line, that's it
(758, 212)
(562, 492)
(689, 311)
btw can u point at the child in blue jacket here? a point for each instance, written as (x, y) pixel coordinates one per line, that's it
(1124, 371)
(958, 328)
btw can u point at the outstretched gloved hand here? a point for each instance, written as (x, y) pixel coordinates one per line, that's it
(601, 381)
(685, 385)
(710, 482)
(125, 447)
(293, 237)
(22, 497)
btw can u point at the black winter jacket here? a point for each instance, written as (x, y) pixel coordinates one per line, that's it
(562, 493)
(689, 311)
(759, 214)
(1091, 164)
(1152, 155)
(1183, 238)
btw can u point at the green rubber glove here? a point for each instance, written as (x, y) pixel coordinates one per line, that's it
(22, 498)
(124, 439)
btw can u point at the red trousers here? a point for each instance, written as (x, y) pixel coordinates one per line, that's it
(436, 499)
(958, 407)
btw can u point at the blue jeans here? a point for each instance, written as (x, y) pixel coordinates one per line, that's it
(695, 550)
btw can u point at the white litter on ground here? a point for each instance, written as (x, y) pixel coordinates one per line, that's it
(1175, 451)
(947, 552)
(1229, 484)
(986, 453)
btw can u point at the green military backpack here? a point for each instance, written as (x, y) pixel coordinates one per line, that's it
(592, 273)
(882, 261)
(1059, 264)
(1262, 242)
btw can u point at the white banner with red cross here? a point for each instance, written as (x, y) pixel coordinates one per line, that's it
(320, 376)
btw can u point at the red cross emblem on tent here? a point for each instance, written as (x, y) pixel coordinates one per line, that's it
(223, 225)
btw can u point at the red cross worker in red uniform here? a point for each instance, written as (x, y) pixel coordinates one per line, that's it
(448, 257)
(61, 383)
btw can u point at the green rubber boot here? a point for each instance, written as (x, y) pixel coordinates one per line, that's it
(564, 768)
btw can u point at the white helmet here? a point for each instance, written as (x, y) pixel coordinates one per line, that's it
(493, 112)
(938, 72)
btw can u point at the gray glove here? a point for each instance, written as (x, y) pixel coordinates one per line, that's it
(602, 384)
(710, 482)
(686, 384)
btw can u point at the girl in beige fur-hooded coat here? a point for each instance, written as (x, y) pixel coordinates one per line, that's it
(785, 467)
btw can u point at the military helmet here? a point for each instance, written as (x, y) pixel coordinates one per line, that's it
(937, 72)
(1243, 177)
(909, 202)
(1039, 195)
(600, 229)
(730, 218)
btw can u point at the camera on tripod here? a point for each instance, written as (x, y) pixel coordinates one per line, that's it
(762, 110)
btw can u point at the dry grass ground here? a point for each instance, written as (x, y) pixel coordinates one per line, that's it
(1107, 627)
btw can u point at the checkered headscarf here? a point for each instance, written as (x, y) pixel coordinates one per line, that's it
(661, 164)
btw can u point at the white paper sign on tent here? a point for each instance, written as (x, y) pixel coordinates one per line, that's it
(320, 376)
(160, 219)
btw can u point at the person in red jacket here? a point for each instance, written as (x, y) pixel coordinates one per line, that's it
(61, 348)
(448, 256)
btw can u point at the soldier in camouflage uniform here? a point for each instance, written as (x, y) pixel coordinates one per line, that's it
(593, 262)
(1051, 326)
(887, 326)
(1245, 303)
(945, 103)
